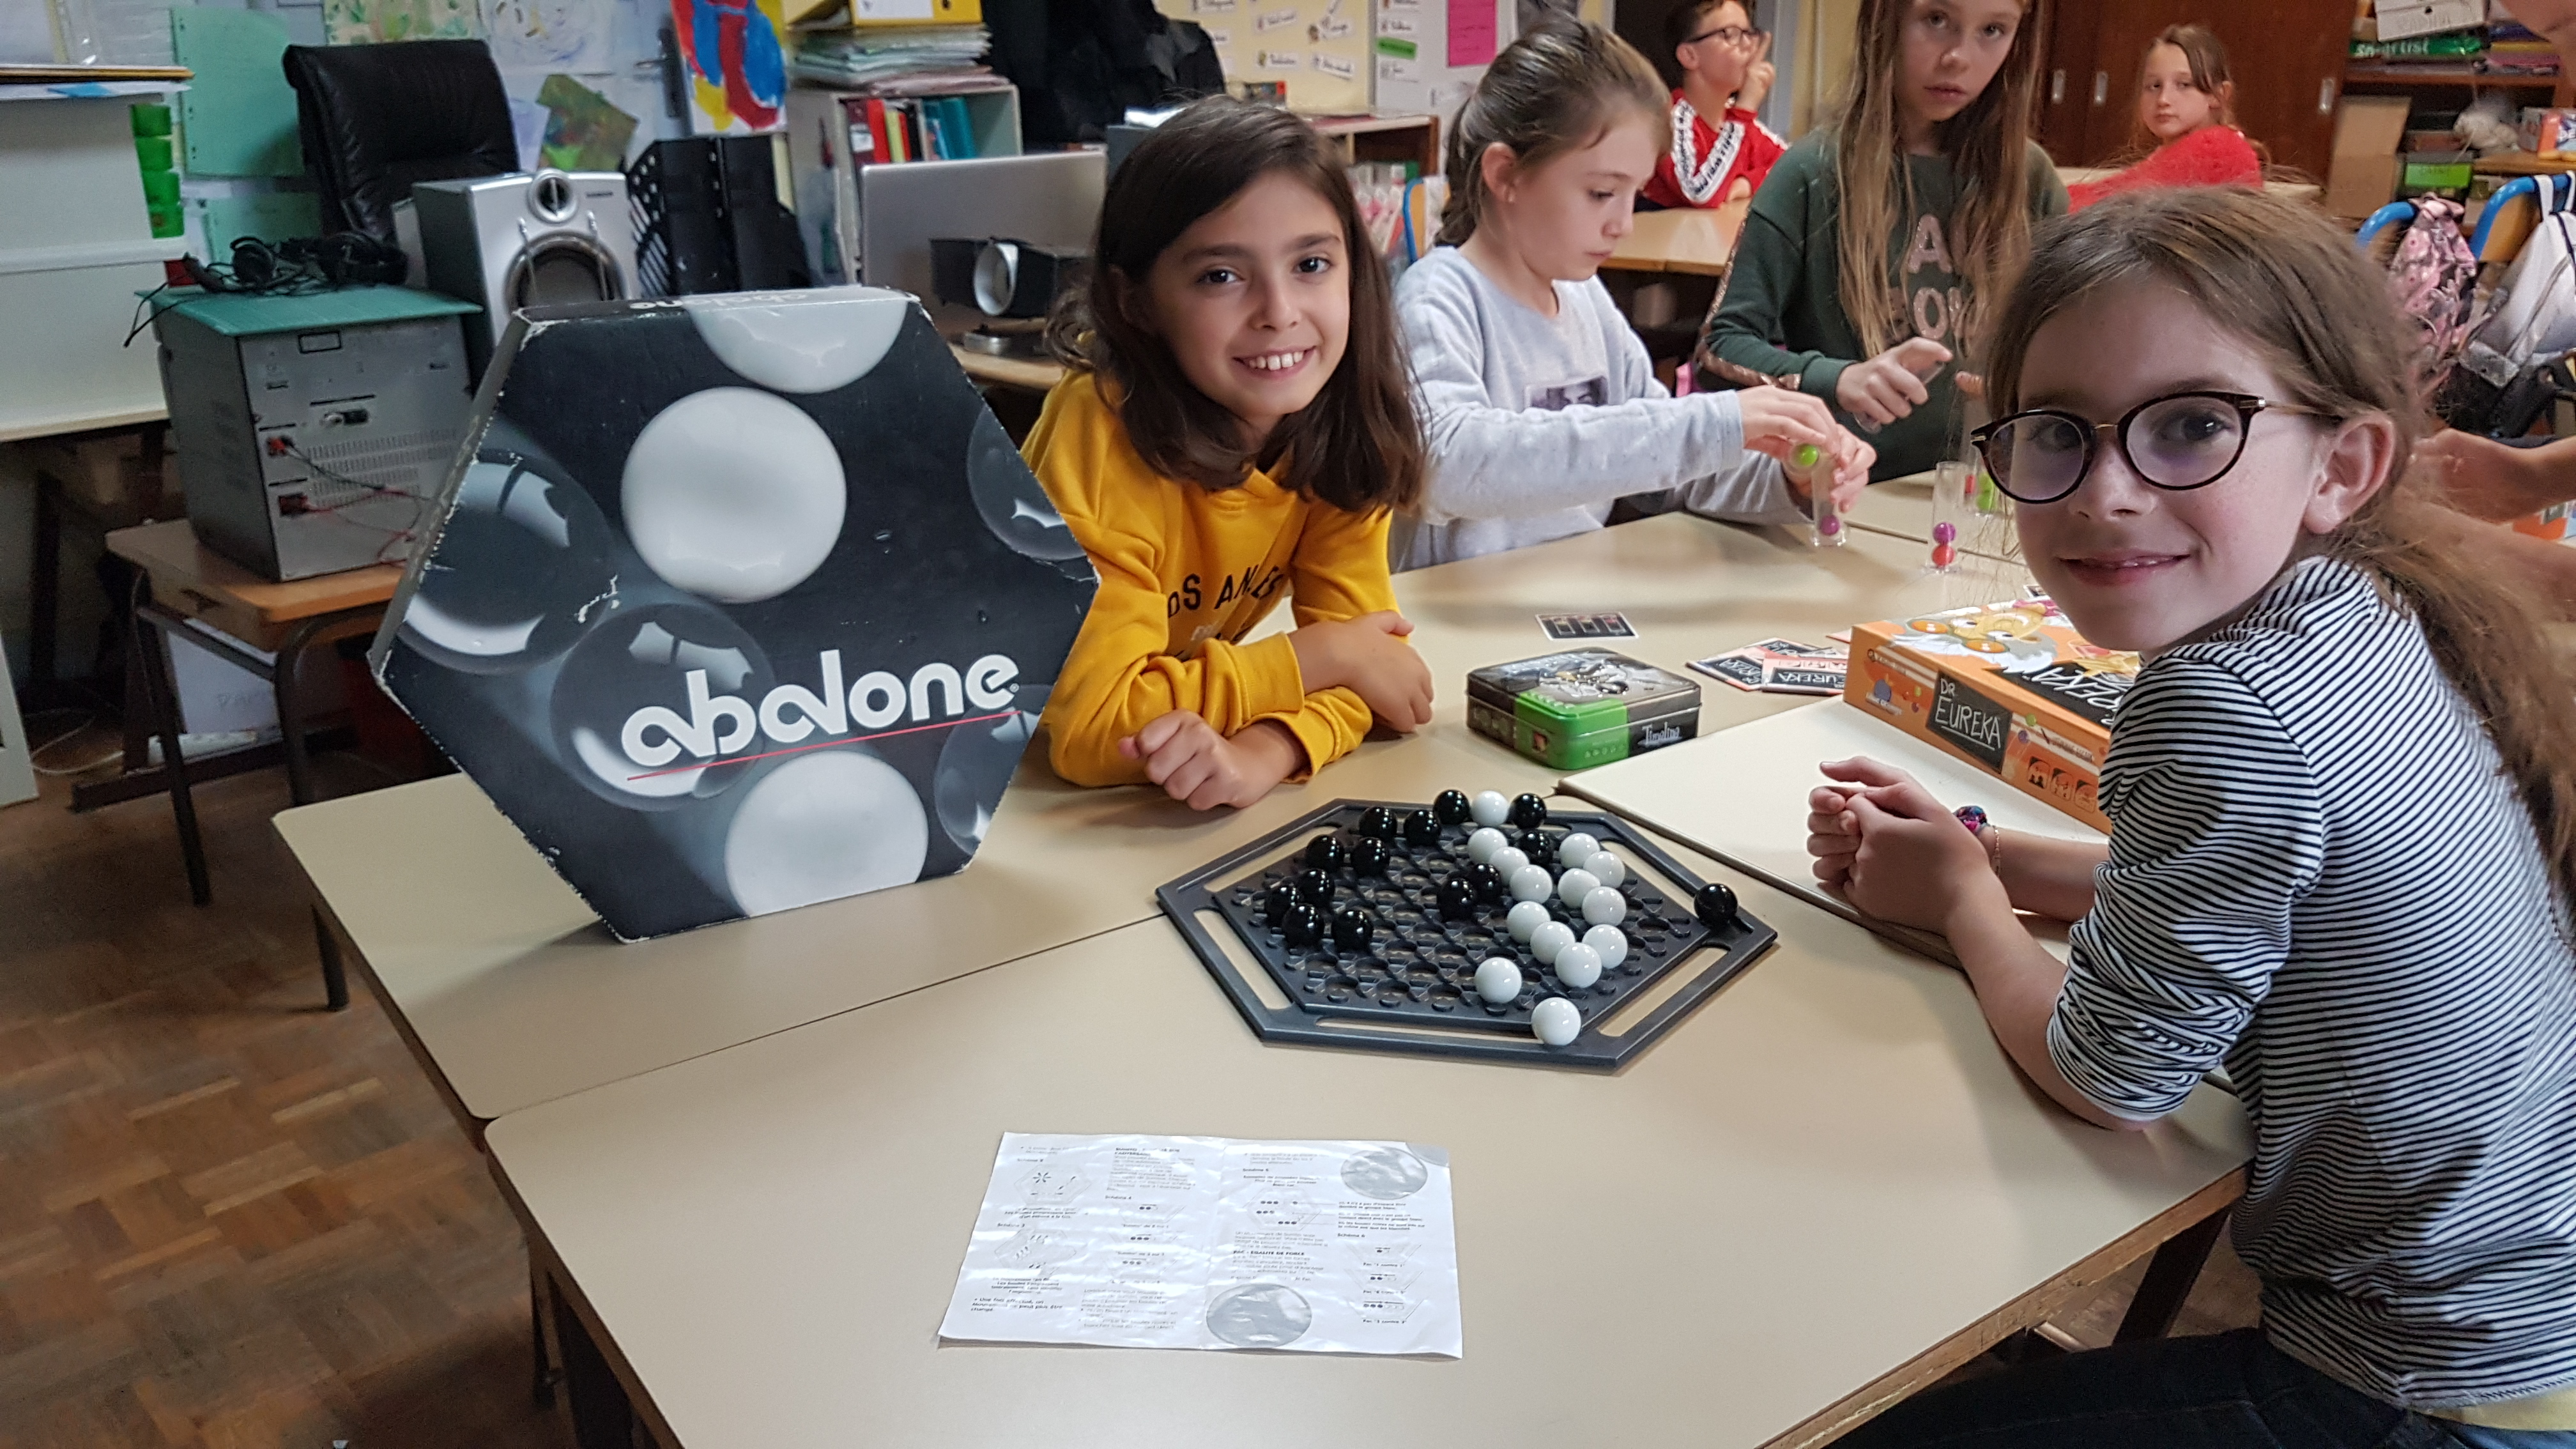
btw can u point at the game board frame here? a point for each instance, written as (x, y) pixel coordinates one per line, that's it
(1350, 1027)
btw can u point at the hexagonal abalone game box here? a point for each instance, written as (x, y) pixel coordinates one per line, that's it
(736, 603)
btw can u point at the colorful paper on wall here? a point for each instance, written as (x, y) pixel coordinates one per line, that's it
(737, 62)
(552, 35)
(371, 22)
(584, 132)
(1471, 33)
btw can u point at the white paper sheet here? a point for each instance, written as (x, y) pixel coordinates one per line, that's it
(1209, 1242)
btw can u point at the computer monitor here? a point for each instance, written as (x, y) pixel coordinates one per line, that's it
(1049, 200)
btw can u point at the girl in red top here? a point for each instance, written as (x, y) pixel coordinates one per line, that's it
(2185, 100)
(1720, 151)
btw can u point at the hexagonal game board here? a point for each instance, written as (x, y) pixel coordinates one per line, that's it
(736, 603)
(1368, 924)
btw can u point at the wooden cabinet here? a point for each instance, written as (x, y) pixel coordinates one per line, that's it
(2287, 54)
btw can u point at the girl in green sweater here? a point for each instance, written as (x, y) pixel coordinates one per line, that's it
(1863, 267)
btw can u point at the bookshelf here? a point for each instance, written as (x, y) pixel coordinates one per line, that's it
(828, 139)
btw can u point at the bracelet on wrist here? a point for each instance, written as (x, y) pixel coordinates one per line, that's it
(1988, 834)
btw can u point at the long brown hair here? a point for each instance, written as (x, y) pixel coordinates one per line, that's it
(1356, 446)
(1555, 89)
(2207, 59)
(2280, 277)
(1988, 146)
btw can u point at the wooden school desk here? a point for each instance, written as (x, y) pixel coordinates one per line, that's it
(1824, 1189)
(1685, 239)
(250, 617)
(510, 993)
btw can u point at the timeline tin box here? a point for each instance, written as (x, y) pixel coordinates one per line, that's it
(2010, 688)
(1582, 707)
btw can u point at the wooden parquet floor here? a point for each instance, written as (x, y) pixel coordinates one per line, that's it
(228, 1218)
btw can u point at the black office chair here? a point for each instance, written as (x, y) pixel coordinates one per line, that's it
(374, 119)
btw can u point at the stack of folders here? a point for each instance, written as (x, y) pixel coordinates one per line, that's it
(854, 58)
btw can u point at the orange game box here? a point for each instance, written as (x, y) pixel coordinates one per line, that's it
(2010, 688)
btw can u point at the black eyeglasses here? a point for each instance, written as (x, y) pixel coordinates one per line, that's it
(2177, 442)
(1735, 36)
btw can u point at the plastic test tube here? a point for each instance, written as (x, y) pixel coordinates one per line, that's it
(1952, 502)
(1825, 521)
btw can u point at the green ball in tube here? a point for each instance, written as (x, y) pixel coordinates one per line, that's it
(1806, 469)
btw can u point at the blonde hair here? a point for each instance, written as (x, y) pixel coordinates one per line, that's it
(1988, 145)
(2278, 276)
(1558, 87)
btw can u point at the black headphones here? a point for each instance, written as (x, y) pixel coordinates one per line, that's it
(342, 259)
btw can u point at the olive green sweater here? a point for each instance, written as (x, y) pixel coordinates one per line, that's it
(1780, 318)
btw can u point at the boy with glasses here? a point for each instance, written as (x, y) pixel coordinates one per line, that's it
(1720, 150)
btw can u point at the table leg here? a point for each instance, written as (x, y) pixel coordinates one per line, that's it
(542, 1385)
(161, 687)
(45, 586)
(335, 975)
(601, 1417)
(2170, 1274)
(287, 680)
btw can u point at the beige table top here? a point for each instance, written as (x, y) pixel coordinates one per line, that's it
(511, 993)
(1825, 1188)
(1691, 588)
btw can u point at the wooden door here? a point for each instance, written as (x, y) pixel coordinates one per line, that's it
(2288, 56)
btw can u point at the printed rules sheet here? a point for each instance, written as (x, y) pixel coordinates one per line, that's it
(1210, 1242)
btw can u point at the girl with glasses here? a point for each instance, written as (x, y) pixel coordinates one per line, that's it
(2186, 110)
(2343, 804)
(1869, 255)
(1720, 149)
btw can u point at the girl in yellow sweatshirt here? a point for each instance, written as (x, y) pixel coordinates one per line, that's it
(1237, 427)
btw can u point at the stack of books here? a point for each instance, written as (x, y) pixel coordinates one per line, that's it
(2513, 49)
(855, 57)
(2505, 49)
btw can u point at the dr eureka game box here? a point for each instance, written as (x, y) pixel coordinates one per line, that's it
(736, 603)
(2011, 688)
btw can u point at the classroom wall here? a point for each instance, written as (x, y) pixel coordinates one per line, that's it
(620, 63)
(1827, 31)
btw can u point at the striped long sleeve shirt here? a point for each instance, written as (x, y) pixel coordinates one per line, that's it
(2319, 874)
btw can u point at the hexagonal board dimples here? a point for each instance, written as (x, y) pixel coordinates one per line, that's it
(1416, 970)
(735, 603)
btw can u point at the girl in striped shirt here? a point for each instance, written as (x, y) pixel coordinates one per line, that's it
(2343, 800)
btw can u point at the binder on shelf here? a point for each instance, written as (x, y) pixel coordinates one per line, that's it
(833, 131)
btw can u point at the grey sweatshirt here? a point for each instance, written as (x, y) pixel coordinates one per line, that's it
(1537, 425)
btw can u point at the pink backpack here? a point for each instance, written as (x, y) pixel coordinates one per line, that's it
(2435, 277)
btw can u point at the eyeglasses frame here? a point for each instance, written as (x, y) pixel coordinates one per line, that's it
(2247, 406)
(1752, 36)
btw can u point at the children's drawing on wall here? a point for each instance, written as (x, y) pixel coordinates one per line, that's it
(551, 35)
(372, 22)
(737, 63)
(584, 131)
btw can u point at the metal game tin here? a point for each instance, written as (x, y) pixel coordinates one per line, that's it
(1581, 707)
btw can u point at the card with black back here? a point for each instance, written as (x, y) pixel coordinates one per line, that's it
(1587, 626)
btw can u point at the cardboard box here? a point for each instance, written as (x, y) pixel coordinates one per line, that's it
(2399, 19)
(110, 475)
(2548, 130)
(2010, 688)
(2362, 177)
(736, 603)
